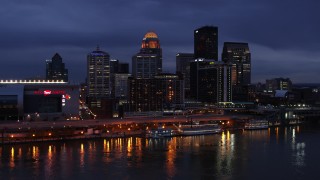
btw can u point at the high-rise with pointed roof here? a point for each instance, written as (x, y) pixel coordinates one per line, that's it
(55, 69)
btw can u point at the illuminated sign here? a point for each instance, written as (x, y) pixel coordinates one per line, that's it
(46, 92)
(68, 96)
(64, 98)
(49, 92)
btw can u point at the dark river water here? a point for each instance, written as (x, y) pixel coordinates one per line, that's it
(276, 153)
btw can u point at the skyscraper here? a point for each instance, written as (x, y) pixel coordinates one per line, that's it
(163, 92)
(210, 81)
(206, 43)
(239, 56)
(98, 74)
(55, 69)
(118, 71)
(183, 61)
(148, 62)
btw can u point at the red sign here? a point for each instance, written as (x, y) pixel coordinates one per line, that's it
(68, 96)
(46, 92)
(49, 92)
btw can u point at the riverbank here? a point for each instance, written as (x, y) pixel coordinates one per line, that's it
(44, 131)
(9, 141)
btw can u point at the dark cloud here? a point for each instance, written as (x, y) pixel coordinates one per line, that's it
(282, 35)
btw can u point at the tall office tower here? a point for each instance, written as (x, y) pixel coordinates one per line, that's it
(164, 91)
(210, 81)
(148, 62)
(206, 43)
(98, 74)
(183, 67)
(239, 56)
(55, 69)
(114, 66)
(117, 69)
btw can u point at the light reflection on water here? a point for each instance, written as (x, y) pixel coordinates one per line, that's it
(12, 158)
(298, 149)
(226, 155)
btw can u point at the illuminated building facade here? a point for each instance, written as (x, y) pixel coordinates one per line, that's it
(148, 62)
(210, 81)
(239, 56)
(99, 84)
(171, 88)
(278, 84)
(55, 69)
(98, 74)
(51, 102)
(206, 43)
(183, 66)
(164, 91)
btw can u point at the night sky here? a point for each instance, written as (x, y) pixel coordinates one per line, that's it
(283, 35)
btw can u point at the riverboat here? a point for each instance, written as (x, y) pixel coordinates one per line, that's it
(160, 133)
(256, 124)
(204, 129)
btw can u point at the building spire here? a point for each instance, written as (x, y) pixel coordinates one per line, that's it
(98, 48)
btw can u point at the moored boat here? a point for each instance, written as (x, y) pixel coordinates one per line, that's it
(256, 124)
(199, 129)
(160, 133)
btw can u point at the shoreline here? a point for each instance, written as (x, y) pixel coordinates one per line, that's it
(26, 140)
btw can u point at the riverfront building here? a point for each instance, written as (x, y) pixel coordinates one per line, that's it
(239, 56)
(51, 102)
(163, 92)
(210, 81)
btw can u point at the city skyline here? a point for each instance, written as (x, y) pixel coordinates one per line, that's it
(282, 44)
